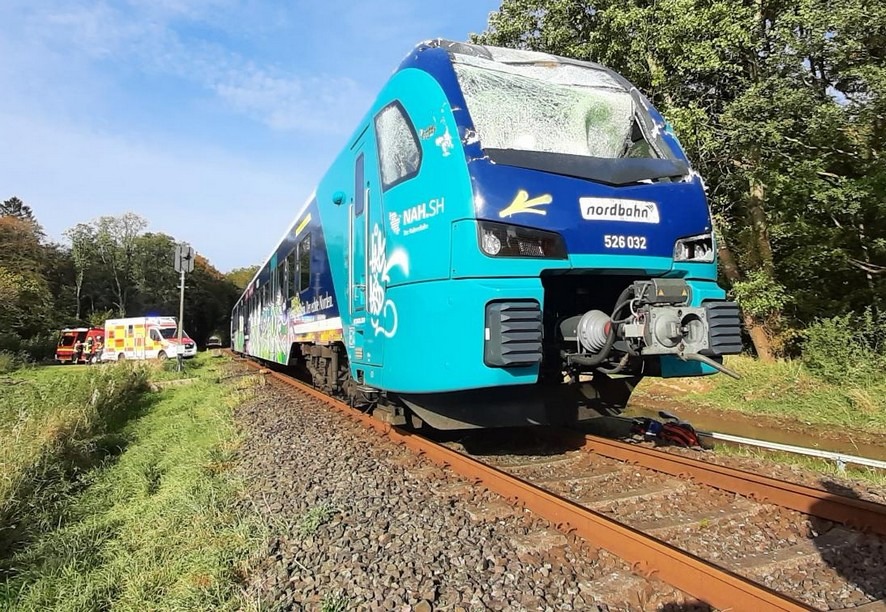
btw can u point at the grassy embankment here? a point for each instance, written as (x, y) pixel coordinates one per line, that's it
(851, 408)
(785, 389)
(113, 496)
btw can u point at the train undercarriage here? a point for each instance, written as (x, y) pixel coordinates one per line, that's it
(590, 359)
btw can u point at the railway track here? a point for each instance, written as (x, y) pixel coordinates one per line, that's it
(731, 539)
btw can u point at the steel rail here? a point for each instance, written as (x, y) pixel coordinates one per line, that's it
(856, 513)
(649, 556)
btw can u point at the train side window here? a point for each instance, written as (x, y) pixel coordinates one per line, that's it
(399, 152)
(274, 285)
(283, 271)
(304, 263)
(292, 260)
(278, 283)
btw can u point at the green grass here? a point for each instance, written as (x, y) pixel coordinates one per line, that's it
(155, 526)
(313, 518)
(787, 389)
(55, 424)
(813, 464)
(335, 602)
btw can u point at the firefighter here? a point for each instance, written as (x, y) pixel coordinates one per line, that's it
(87, 353)
(78, 351)
(99, 347)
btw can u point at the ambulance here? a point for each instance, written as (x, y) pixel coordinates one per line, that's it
(145, 338)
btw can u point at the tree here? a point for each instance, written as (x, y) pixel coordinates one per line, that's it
(14, 207)
(155, 279)
(240, 277)
(25, 303)
(22, 245)
(115, 239)
(83, 255)
(208, 301)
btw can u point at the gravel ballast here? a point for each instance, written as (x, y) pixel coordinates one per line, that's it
(357, 522)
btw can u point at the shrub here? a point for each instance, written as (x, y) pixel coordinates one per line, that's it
(10, 342)
(847, 349)
(8, 362)
(40, 347)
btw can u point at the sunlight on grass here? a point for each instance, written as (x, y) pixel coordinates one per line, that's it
(813, 464)
(787, 389)
(156, 526)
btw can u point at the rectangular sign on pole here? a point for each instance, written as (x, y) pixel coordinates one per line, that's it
(184, 258)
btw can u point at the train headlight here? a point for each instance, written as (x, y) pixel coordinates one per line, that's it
(503, 240)
(695, 248)
(490, 243)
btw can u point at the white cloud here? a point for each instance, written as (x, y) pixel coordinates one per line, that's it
(146, 38)
(313, 103)
(193, 193)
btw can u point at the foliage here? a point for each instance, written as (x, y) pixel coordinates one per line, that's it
(40, 347)
(760, 295)
(240, 277)
(847, 349)
(14, 207)
(8, 362)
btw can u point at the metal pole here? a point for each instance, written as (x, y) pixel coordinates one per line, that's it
(181, 322)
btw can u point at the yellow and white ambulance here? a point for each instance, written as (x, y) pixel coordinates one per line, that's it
(145, 338)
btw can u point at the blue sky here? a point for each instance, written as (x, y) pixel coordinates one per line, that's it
(213, 119)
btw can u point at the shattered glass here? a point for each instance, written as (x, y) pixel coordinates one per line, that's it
(546, 68)
(503, 54)
(557, 108)
(399, 152)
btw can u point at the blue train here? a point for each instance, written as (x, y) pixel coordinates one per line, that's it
(508, 237)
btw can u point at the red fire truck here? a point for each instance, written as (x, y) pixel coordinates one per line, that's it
(64, 352)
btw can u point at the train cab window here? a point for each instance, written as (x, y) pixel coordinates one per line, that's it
(359, 188)
(304, 263)
(399, 152)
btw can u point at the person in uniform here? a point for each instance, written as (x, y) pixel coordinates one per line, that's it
(87, 352)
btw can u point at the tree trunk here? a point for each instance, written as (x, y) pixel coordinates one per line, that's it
(79, 289)
(759, 338)
(872, 286)
(757, 212)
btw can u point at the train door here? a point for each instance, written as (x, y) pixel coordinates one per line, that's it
(367, 348)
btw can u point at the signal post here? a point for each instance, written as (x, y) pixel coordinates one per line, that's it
(183, 262)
